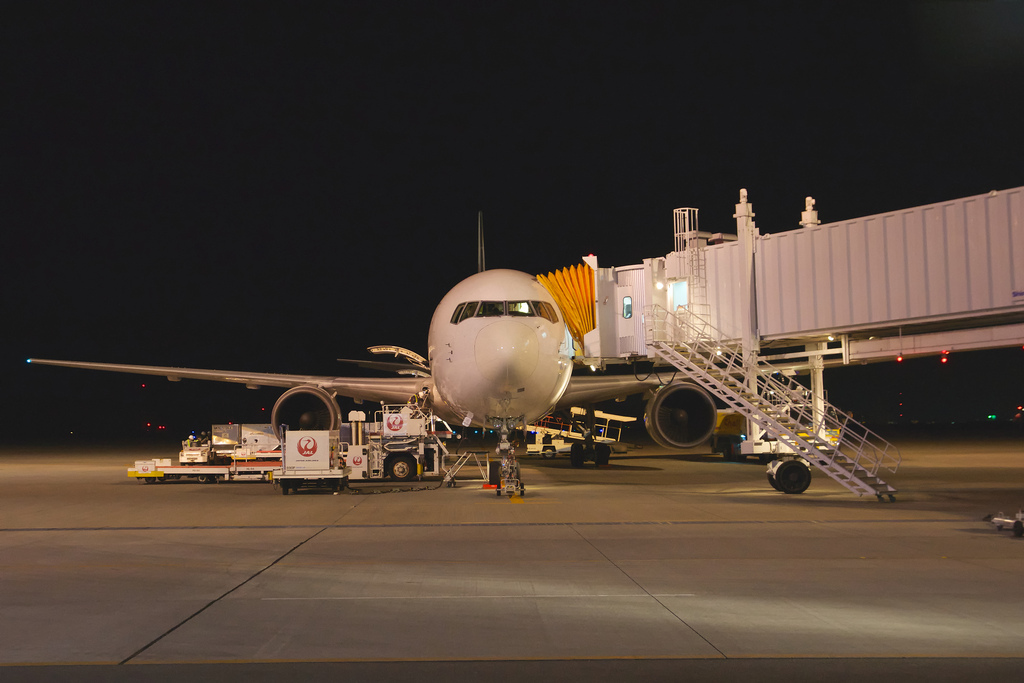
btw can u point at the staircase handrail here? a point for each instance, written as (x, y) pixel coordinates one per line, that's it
(705, 347)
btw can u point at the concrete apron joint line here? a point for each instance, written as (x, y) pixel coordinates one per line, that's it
(648, 593)
(232, 590)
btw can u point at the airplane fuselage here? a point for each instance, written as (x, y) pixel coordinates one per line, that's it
(498, 350)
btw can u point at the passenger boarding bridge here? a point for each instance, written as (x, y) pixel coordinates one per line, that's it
(737, 314)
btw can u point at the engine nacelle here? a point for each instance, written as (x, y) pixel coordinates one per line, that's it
(305, 407)
(681, 415)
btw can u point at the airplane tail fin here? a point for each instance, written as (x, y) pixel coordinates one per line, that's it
(481, 264)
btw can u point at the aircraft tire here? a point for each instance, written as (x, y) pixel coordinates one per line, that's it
(793, 476)
(576, 455)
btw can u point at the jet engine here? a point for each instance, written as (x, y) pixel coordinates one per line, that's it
(680, 415)
(306, 407)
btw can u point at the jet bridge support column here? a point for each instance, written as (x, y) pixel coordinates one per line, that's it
(747, 234)
(817, 362)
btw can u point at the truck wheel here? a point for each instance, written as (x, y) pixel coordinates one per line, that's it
(576, 455)
(1018, 528)
(402, 468)
(602, 452)
(771, 480)
(793, 476)
(284, 488)
(736, 452)
(548, 452)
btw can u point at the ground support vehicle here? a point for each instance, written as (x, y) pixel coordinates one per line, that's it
(729, 435)
(404, 442)
(552, 435)
(229, 442)
(257, 467)
(311, 459)
(236, 453)
(1003, 521)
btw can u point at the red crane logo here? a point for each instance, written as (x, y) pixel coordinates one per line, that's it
(307, 446)
(395, 422)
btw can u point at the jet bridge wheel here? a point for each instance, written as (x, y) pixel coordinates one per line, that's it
(793, 476)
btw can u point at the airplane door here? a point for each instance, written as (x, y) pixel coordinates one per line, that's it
(628, 317)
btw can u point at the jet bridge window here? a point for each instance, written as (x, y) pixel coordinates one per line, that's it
(464, 311)
(627, 307)
(519, 308)
(545, 310)
(491, 309)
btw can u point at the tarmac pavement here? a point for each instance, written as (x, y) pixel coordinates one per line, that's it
(666, 566)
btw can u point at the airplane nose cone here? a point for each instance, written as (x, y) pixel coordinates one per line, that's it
(507, 353)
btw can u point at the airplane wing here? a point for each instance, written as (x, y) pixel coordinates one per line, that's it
(386, 389)
(583, 389)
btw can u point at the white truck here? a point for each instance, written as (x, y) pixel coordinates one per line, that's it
(402, 443)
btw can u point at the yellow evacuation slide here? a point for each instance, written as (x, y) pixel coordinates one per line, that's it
(573, 290)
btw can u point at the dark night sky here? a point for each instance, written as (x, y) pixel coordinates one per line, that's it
(267, 187)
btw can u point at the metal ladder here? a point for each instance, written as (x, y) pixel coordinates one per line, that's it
(835, 443)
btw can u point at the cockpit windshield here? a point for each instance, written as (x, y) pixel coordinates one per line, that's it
(495, 309)
(491, 309)
(519, 308)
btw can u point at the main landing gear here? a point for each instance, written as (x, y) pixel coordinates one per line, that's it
(588, 449)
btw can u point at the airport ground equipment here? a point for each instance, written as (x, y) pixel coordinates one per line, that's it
(163, 469)
(403, 442)
(926, 280)
(729, 435)
(552, 435)
(461, 459)
(1003, 521)
(311, 458)
(236, 452)
(801, 426)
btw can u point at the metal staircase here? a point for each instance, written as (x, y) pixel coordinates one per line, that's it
(832, 441)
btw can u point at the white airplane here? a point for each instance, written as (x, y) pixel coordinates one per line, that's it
(499, 357)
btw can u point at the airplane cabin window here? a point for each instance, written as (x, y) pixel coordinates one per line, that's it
(627, 307)
(519, 308)
(491, 309)
(457, 313)
(468, 311)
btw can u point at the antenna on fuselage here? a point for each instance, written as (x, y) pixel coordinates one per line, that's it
(481, 264)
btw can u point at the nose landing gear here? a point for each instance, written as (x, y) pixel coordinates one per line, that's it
(510, 481)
